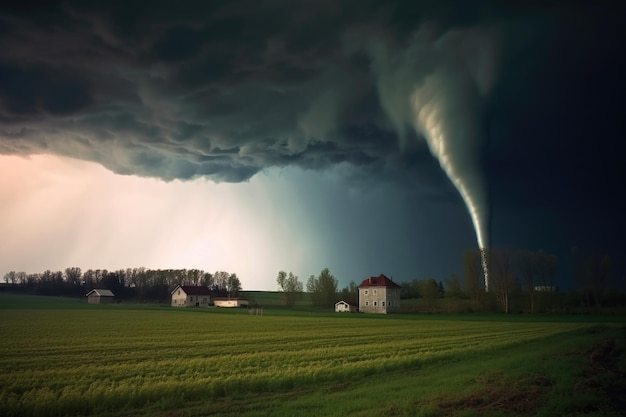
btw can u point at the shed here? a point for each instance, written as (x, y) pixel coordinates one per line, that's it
(100, 296)
(345, 307)
(230, 302)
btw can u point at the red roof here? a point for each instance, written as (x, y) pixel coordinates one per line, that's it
(379, 281)
(193, 290)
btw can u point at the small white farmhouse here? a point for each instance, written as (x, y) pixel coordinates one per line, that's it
(230, 302)
(191, 296)
(345, 307)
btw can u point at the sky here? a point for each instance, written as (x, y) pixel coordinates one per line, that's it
(365, 137)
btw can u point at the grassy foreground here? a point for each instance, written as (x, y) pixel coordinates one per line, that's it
(67, 358)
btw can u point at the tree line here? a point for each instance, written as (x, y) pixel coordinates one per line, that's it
(322, 288)
(140, 284)
(519, 280)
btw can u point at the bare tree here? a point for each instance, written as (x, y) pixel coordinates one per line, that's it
(453, 287)
(10, 277)
(195, 276)
(473, 274)
(73, 275)
(592, 271)
(546, 273)
(501, 262)
(527, 264)
(220, 280)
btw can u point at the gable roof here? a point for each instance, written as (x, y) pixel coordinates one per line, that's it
(193, 290)
(349, 303)
(101, 293)
(379, 281)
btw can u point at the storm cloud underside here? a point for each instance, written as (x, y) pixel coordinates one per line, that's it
(212, 92)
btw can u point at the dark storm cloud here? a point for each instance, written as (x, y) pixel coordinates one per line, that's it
(225, 89)
(39, 89)
(210, 89)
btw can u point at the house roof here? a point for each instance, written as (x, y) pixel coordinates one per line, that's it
(193, 290)
(350, 303)
(379, 281)
(101, 293)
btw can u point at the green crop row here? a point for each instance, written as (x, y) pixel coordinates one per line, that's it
(76, 362)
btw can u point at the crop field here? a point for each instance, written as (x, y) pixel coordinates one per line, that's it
(125, 360)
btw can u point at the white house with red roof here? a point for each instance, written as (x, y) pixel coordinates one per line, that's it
(191, 296)
(379, 295)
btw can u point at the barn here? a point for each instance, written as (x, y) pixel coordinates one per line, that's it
(100, 296)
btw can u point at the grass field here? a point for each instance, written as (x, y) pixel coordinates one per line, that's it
(63, 357)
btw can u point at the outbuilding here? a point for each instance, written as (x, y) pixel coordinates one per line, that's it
(345, 307)
(230, 302)
(100, 296)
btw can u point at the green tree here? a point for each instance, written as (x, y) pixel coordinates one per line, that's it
(350, 293)
(290, 285)
(233, 285)
(207, 280)
(323, 289)
(430, 291)
(412, 289)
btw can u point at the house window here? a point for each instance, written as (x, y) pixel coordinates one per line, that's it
(375, 303)
(367, 303)
(178, 292)
(375, 292)
(383, 303)
(367, 292)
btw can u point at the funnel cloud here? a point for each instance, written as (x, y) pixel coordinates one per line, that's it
(436, 86)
